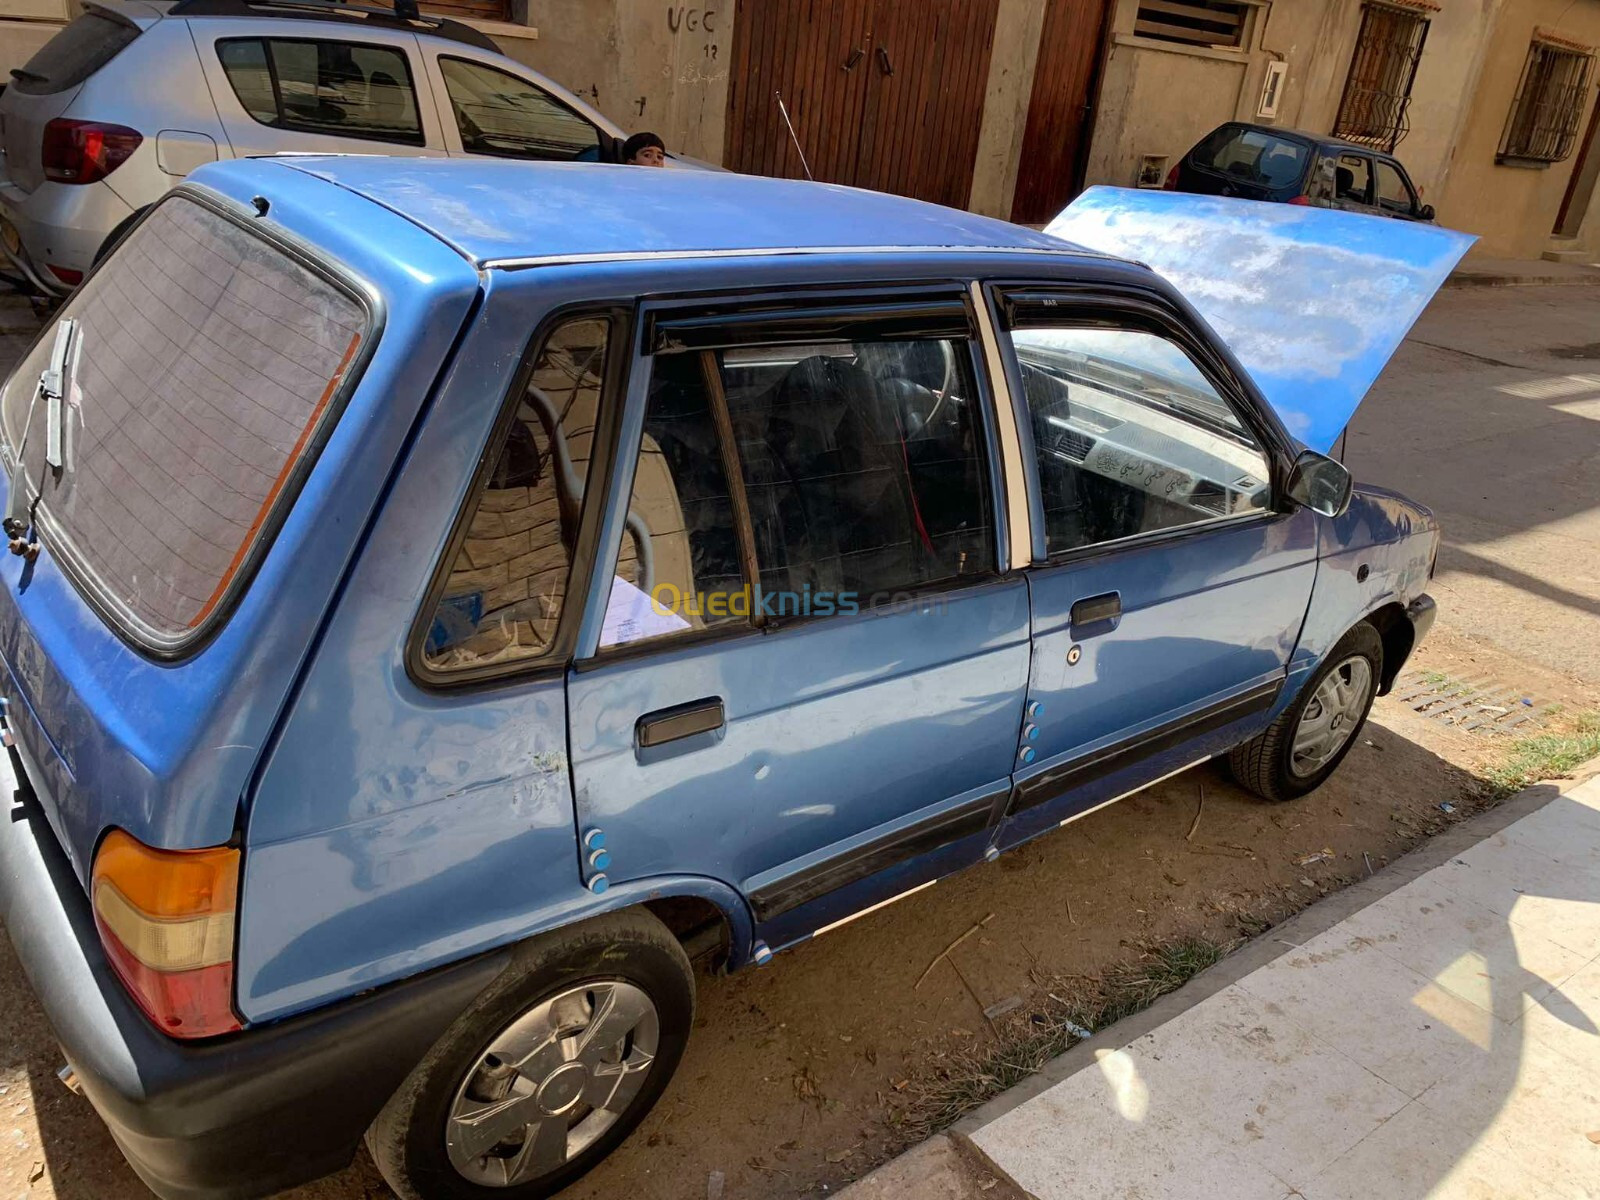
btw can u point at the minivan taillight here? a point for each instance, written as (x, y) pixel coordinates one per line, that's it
(85, 151)
(1171, 185)
(166, 921)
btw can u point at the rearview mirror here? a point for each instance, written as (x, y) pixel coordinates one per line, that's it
(1320, 484)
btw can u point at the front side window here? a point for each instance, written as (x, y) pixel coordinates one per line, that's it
(498, 113)
(1131, 436)
(506, 582)
(1394, 193)
(205, 365)
(343, 89)
(861, 465)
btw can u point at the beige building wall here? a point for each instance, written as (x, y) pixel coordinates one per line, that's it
(1015, 54)
(1513, 208)
(25, 25)
(646, 65)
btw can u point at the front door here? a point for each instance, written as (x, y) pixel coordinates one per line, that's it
(1170, 594)
(808, 678)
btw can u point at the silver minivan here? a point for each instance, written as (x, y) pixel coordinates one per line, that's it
(134, 94)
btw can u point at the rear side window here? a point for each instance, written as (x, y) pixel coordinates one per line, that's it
(507, 578)
(206, 368)
(1253, 155)
(343, 89)
(74, 54)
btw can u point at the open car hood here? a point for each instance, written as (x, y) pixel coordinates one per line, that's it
(1312, 301)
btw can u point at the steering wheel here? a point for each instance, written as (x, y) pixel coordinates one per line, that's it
(944, 388)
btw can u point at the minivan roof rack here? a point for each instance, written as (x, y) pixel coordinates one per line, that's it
(334, 10)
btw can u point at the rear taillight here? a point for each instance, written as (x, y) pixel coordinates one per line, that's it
(1171, 185)
(1300, 199)
(85, 151)
(68, 275)
(166, 921)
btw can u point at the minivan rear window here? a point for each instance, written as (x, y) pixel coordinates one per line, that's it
(74, 54)
(1253, 155)
(207, 369)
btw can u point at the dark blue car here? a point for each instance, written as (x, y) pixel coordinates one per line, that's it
(1291, 166)
(448, 597)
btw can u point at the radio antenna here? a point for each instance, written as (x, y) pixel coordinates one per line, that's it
(792, 137)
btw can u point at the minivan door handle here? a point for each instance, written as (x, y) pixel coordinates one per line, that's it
(680, 721)
(1094, 609)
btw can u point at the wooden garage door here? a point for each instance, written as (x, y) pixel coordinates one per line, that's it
(1050, 172)
(885, 94)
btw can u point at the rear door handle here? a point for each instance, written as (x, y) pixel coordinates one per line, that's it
(680, 721)
(1093, 609)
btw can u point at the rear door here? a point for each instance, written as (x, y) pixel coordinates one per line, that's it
(1168, 592)
(805, 674)
(296, 88)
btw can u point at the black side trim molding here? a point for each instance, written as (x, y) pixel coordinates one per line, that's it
(1080, 771)
(940, 830)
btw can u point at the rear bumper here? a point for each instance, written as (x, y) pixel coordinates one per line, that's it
(57, 223)
(236, 1117)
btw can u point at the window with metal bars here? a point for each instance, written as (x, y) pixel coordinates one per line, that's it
(1543, 125)
(1194, 22)
(1377, 92)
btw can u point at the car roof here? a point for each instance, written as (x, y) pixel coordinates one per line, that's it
(1305, 135)
(500, 212)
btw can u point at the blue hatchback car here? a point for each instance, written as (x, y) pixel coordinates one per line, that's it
(449, 597)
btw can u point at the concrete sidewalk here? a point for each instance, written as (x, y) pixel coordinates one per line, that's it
(1431, 1032)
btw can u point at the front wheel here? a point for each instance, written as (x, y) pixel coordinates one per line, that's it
(551, 1068)
(1309, 739)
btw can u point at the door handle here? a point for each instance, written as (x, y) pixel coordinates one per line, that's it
(680, 721)
(1093, 609)
(883, 61)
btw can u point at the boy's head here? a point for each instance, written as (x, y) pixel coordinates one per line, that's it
(644, 150)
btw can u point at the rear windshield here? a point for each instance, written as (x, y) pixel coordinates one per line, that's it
(205, 369)
(1253, 155)
(74, 54)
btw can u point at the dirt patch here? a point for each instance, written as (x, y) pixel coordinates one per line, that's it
(802, 1076)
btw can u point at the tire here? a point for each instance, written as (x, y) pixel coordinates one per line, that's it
(1268, 764)
(557, 988)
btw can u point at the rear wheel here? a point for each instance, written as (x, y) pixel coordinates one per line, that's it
(1308, 740)
(549, 1071)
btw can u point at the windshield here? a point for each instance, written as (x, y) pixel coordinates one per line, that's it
(204, 372)
(1253, 155)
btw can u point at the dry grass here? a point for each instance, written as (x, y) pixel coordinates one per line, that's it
(1546, 755)
(1030, 1039)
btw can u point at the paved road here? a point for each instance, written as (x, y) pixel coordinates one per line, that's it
(1490, 413)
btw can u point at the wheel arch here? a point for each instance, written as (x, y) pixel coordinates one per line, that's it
(1398, 637)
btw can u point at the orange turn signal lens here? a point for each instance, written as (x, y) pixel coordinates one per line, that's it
(166, 919)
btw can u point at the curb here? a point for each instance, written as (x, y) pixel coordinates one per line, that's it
(1473, 279)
